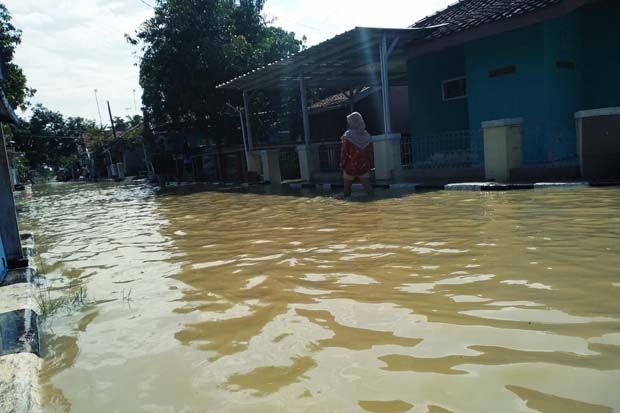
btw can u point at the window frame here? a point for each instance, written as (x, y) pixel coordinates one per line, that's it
(443, 89)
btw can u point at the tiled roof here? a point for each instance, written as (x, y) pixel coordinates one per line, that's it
(333, 100)
(337, 100)
(468, 14)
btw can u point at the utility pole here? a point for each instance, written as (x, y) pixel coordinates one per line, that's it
(135, 107)
(111, 120)
(98, 109)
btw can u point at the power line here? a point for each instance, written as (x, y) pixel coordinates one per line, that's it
(331, 33)
(146, 4)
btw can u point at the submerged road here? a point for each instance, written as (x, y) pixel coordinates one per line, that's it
(230, 302)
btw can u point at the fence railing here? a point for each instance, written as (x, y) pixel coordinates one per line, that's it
(289, 163)
(455, 149)
(329, 156)
(542, 146)
(549, 145)
(406, 154)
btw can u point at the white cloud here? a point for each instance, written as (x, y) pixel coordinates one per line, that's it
(322, 19)
(71, 47)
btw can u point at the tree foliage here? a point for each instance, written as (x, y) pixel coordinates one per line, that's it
(190, 46)
(126, 123)
(48, 137)
(14, 84)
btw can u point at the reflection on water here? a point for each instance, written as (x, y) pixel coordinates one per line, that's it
(230, 302)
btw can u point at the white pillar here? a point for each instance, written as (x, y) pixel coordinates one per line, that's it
(388, 165)
(9, 231)
(308, 161)
(271, 166)
(502, 148)
(304, 110)
(248, 125)
(120, 170)
(385, 86)
(254, 162)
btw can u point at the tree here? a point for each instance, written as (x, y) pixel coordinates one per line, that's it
(191, 46)
(120, 124)
(14, 84)
(48, 139)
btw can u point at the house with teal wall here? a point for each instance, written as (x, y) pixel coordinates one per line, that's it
(536, 61)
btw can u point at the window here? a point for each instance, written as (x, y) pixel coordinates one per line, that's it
(454, 89)
(503, 71)
(565, 65)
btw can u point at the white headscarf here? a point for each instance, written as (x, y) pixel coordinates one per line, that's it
(357, 134)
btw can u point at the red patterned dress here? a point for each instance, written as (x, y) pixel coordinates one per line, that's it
(355, 161)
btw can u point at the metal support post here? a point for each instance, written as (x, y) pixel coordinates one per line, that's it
(243, 134)
(385, 86)
(304, 110)
(248, 126)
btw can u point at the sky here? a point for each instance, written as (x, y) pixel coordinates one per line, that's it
(72, 47)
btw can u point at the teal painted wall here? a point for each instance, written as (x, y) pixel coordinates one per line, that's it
(601, 41)
(546, 95)
(515, 95)
(430, 115)
(510, 95)
(563, 92)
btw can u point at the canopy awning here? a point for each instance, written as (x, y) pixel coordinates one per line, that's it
(346, 61)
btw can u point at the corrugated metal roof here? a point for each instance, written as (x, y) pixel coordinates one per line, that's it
(348, 60)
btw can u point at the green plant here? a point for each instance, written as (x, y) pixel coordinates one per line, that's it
(128, 296)
(46, 304)
(49, 306)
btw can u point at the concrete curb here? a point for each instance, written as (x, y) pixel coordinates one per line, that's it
(414, 187)
(561, 185)
(494, 186)
(20, 361)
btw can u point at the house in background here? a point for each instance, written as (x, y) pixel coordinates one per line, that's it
(530, 67)
(498, 90)
(328, 122)
(328, 116)
(13, 157)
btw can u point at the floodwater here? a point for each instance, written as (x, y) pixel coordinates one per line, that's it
(241, 302)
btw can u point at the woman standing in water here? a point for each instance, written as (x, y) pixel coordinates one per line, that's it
(356, 154)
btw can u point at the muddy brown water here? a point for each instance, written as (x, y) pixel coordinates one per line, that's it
(242, 302)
